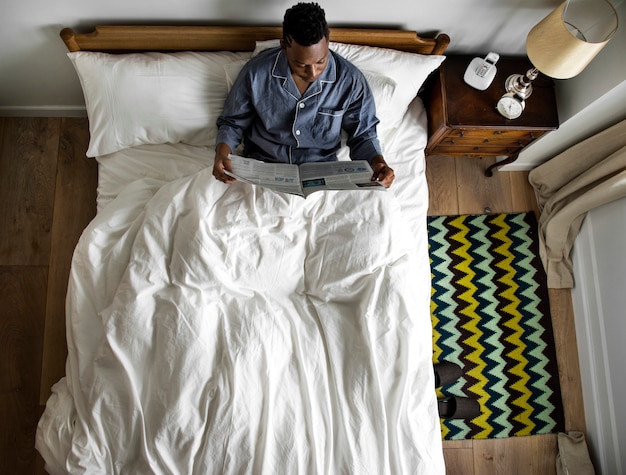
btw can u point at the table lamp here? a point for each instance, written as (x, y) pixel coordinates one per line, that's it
(564, 42)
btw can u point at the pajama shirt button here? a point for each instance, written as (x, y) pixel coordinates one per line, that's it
(302, 105)
(297, 132)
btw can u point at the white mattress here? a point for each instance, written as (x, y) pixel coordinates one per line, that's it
(231, 329)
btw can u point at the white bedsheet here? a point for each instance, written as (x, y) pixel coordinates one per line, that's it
(231, 329)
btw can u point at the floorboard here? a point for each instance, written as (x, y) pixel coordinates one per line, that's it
(479, 194)
(442, 190)
(28, 161)
(22, 311)
(522, 194)
(74, 207)
(567, 358)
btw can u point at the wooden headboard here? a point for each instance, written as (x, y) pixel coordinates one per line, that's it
(124, 39)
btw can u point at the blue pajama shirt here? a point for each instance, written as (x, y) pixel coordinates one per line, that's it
(266, 112)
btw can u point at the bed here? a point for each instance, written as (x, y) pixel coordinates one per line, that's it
(234, 329)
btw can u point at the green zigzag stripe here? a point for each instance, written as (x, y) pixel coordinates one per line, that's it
(491, 334)
(489, 305)
(442, 293)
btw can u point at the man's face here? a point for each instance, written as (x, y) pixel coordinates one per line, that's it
(307, 62)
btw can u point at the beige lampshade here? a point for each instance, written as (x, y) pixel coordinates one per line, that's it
(564, 43)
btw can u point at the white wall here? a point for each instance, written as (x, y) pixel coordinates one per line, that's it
(36, 77)
(600, 311)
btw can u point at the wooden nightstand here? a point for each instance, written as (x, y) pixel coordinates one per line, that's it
(463, 121)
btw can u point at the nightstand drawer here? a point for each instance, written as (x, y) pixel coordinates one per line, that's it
(501, 135)
(487, 138)
(486, 142)
(481, 150)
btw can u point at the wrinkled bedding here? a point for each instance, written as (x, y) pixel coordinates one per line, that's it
(232, 329)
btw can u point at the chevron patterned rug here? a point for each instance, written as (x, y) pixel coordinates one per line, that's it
(491, 316)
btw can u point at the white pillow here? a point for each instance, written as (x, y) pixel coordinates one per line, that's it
(407, 70)
(383, 89)
(232, 70)
(152, 98)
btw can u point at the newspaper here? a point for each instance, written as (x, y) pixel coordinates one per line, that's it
(306, 178)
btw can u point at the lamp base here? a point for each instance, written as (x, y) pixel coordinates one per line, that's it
(521, 85)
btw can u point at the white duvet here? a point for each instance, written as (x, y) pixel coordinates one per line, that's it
(218, 329)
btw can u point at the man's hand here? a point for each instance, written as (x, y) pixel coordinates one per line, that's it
(382, 171)
(222, 162)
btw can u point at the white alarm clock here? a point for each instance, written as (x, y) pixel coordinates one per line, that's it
(510, 105)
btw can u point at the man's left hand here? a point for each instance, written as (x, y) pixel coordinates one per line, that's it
(382, 172)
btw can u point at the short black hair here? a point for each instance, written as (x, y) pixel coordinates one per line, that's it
(305, 23)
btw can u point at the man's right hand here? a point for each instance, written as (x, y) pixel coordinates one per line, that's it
(222, 162)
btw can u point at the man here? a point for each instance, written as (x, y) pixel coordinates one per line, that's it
(290, 104)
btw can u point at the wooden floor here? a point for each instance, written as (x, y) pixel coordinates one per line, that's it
(48, 196)
(458, 186)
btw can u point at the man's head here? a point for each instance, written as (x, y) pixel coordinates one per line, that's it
(305, 23)
(305, 40)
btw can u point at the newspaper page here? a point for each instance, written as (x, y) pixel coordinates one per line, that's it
(306, 178)
(282, 177)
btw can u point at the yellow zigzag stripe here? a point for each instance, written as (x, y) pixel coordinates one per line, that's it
(472, 326)
(437, 352)
(513, 323)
